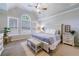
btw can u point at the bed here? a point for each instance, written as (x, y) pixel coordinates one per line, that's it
(50, 41)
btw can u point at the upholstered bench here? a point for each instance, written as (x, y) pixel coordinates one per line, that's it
(34, 44)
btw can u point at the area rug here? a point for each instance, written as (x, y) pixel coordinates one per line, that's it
(14, 50)
(30, 52)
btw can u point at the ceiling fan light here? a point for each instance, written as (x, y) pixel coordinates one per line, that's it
(44, 8)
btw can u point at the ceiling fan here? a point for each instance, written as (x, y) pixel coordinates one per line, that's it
(39, 7)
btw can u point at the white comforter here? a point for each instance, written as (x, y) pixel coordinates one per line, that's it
(46, 38)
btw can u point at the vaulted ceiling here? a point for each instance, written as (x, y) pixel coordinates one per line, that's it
(56, 8)
(52, 9)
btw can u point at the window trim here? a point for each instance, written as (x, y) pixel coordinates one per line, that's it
(29, 20)
(8, 18)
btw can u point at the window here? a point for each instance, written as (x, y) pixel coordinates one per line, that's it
(25, 23)
(19, 26)
(13, 24)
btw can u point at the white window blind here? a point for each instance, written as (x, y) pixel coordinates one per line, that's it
(13, 24)
(25, 23)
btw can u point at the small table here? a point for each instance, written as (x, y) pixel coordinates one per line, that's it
(6, 40)
(34, 44)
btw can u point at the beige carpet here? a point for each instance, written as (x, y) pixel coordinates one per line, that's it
(29, 52)
(14, 49)
(20, 48)
(62, 50)
(66, 50)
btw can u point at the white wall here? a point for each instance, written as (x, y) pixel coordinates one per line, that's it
(18, 12)
(15, 12)
(71, 18)
(3, 20)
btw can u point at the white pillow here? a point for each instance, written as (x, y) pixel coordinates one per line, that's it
(51, 31)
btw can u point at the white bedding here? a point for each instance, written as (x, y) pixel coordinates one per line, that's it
(46, 46)
(46, 38)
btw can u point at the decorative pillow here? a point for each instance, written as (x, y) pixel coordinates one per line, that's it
(51, 31)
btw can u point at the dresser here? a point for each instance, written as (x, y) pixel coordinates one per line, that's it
(68, 38)
(76, 41)
(1, 43)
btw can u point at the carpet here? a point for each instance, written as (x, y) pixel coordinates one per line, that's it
(14, 49)
(30, 52)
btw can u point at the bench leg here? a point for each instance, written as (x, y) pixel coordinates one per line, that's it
(50, 52)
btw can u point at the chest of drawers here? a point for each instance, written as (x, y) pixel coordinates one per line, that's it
(68, 38)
